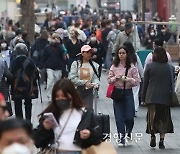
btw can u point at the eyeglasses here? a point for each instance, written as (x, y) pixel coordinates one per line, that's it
(4, 108)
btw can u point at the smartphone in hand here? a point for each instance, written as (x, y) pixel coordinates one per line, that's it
(50, 117)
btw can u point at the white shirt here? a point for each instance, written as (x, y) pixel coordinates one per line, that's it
(67, 137)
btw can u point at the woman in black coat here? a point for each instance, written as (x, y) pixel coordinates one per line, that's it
(76, 123)
(156, 94)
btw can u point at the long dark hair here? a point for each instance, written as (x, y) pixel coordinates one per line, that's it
(159, 55)
(117, 60)
(131, 51)
(68, 88)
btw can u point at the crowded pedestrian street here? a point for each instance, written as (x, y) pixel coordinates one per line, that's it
(89, 77)
(140, 143)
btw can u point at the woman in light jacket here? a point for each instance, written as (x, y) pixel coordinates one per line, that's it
(156, 94)
(124, 109)
(84, 74)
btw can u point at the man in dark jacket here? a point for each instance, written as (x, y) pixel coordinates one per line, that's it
(24, 85)
(99, 51)
(53, 61)
(37, 51)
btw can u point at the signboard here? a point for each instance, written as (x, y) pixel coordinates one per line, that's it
(173, 51)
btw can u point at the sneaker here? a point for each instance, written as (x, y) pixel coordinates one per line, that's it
(153, 141)
(121, 143)
(128, 140)
(161, 145)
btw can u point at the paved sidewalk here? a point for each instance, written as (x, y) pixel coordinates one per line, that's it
(140, 144)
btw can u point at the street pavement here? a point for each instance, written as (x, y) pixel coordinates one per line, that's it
(140, 143)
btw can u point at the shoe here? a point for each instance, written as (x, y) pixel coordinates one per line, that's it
(128, 141)
(161, 145)
(153, 141)
(135, 115)
(121, 143)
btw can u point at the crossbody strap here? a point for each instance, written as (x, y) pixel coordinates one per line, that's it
(126, 72)
(65, 125)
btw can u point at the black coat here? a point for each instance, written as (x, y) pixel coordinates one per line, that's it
(38, 47)
(43, 137)
(25, 74)
(98, 51)
(53, 57)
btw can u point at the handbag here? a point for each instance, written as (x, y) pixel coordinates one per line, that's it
(116, 93)
(174, 100)
(103, 148)
(50, 149)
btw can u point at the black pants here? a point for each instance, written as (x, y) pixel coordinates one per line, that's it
(18, 108)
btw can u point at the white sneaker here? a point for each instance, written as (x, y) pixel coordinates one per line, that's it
(128, 141)
(121, 145)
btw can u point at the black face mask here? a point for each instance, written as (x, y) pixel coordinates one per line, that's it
(63, 104)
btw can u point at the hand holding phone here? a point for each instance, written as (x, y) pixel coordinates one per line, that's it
(51, 119)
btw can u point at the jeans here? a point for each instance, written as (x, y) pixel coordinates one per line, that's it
(73, 152)
(18, 108)
(52, 77)
(124, 112)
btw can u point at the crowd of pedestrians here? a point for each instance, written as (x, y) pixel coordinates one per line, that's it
(69, 60)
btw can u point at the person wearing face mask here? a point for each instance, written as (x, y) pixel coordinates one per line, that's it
(126, 35)
(53, 60)
(150, 39)
(75, 123)
(164, 35)
(5, 52)
(16, 137)
(99, 51)
(73, 47)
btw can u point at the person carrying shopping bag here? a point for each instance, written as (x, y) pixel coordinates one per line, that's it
(84, 74)
(123, 76)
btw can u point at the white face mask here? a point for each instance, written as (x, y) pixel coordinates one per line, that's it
(3, 45)
(93, 39)
(163, 30)
(152, 33)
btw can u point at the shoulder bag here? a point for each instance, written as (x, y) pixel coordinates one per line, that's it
(114, 93)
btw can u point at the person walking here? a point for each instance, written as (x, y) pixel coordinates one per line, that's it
(124, 75)
(137, 62)
(73, 47)
(84, 74)
(156, 94)
(53, 60)
(76, 125)
(24, 86)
